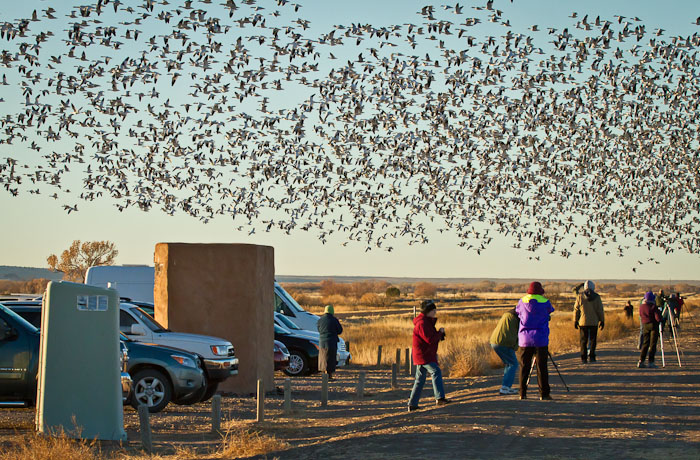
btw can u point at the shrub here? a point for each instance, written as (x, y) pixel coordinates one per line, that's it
(392, 291)
(239, 442)
(376, 300)
(425, 290)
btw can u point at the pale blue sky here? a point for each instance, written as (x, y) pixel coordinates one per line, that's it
(34, 226)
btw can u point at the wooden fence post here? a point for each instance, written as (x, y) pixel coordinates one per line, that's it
(324, 389)
(145, 428)
(261, 402)
(287, 396)
(361, 384)
(407, 358)
(379, 355)
(216, 413)
(398, 358)
(394, 380)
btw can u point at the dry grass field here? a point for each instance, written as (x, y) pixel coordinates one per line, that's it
(378, 426)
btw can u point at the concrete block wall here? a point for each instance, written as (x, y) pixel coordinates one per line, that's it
(222, 290)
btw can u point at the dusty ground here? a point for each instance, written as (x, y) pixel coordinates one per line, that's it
(612, 411)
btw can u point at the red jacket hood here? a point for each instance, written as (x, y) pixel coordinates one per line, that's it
(427, 319)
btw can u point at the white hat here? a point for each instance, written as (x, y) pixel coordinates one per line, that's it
(589, 285)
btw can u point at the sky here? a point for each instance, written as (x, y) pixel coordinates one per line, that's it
(34, 226)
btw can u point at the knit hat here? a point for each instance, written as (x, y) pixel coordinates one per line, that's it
(535, 288)
(589, 285)
(649, 297)
(427, 306)
(329, 309)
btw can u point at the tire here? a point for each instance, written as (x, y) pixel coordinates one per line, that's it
(210, 391)
(152, 388)
(298, 364)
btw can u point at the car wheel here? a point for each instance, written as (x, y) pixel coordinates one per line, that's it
(210, 391)
(152, 388)
(298, 364)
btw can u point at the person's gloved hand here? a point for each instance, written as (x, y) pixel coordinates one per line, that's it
(575, 325)
(601, 325)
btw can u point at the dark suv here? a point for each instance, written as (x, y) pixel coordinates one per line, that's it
(160, 374)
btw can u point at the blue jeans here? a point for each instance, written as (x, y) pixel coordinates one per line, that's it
(422, 371)
(508, 357)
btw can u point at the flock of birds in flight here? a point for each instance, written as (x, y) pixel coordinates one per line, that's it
(571, 140)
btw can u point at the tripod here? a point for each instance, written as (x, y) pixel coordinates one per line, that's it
(675, 340)
(661, 336)
(534, 362)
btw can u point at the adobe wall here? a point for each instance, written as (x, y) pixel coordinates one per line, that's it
(222, 290)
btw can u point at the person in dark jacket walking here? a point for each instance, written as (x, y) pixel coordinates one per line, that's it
(329, 329)
(588, 317)
(425, 344)
(534, 311)
(629, 309)
(504, 341)
(650, 316)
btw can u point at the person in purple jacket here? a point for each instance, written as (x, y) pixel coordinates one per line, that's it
(534, 311)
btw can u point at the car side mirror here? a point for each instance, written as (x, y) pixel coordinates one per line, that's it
(137, 329)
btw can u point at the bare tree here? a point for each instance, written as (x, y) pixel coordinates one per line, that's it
(75, 260)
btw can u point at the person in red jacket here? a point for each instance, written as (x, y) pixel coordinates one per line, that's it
(650, 317)
(425, 344)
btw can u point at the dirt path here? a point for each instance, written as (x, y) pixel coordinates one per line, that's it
(614, 410)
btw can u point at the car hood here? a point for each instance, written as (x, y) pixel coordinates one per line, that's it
(164, 348)
(192, 338)
(305, 334)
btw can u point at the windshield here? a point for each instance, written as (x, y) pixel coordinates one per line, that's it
(289, 300)
(148, 320)
(286, 322)
(23, 322)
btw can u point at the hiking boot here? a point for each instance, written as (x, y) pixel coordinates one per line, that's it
(652, 365)
(412, 408)
(523, 397)
(508, 391)
(584, 361)
(545, 398)
(442, 401)
(592, 359)
(641, 365)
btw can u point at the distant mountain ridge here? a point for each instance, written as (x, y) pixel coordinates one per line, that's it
(399, 280)
(8, 272)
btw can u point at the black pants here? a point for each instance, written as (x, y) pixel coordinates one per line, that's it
(588, 334)
(650, 336)
(526, 355)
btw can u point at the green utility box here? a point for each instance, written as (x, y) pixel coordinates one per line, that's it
(79, 390)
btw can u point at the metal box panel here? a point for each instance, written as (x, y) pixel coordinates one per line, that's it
(79, 388)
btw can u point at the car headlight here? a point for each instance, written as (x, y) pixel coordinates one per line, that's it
(184, 360)
(220, 350)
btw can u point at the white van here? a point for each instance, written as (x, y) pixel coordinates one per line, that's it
(285, 304)
(134, 282)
